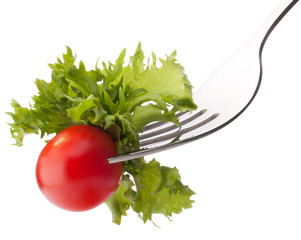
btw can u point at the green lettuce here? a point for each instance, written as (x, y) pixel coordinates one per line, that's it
(121, 99)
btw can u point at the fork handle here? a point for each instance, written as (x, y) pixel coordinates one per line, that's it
(271, 22)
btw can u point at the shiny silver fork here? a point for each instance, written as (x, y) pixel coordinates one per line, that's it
(223, 97)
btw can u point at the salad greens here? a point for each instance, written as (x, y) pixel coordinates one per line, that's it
(120, 99)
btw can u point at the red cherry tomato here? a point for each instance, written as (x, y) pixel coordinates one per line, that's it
(73, 172)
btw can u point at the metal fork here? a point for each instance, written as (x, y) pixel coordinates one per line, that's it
(223, 97)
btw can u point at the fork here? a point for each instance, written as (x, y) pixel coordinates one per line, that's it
(222, 98)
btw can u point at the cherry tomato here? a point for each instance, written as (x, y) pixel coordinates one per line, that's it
(73, 172)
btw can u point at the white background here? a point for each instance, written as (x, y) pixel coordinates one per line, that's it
(247, 176)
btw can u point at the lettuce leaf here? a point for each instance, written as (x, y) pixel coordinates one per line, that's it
(121, 99)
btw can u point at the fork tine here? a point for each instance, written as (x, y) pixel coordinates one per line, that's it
(155, 149)
(158, 124)
(172, 136)
(159, 130)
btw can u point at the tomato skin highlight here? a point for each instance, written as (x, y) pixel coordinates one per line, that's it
(73, 172)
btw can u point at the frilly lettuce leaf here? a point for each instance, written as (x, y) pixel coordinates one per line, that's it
(121, 99)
